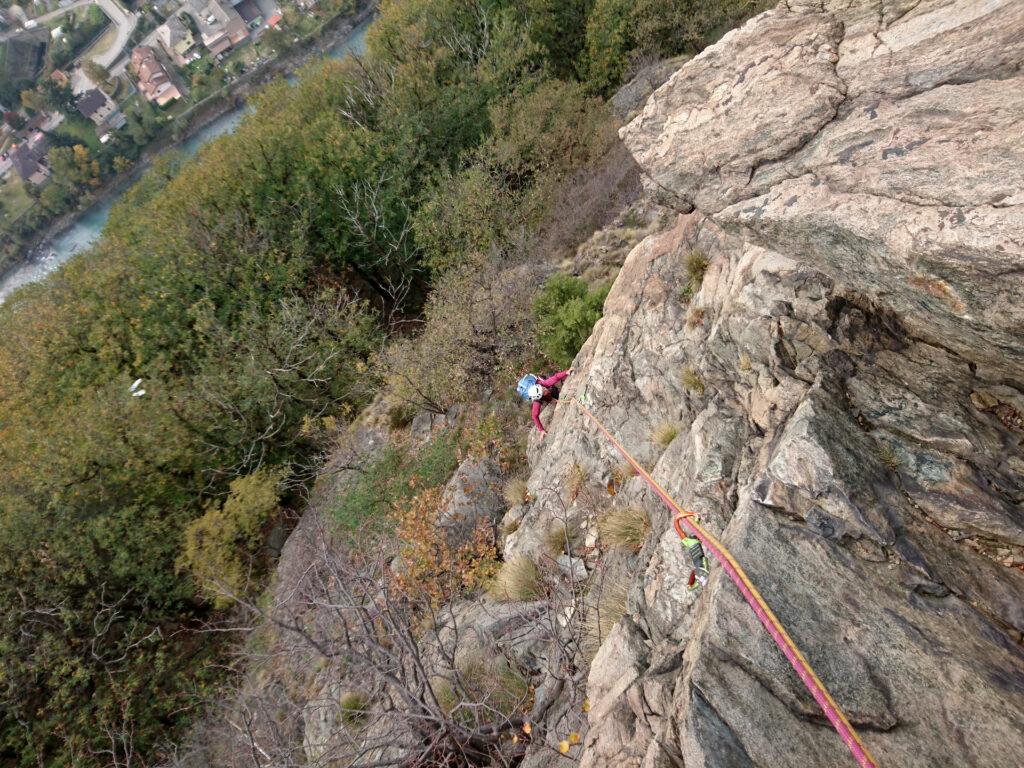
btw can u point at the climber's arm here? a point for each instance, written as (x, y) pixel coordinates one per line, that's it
(555, 378)
(535, 412)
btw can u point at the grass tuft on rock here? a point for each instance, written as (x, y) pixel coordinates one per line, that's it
(482, 682)
(692, 381)
(890, 457)
(665, 433)
(355, 707)
(695, 264)
(518, 580)
(511, 525)
(622, 472)
(516, 492)
(634, 219)
(558, 538)
(624, 527)
(605, 606)
(575, 481)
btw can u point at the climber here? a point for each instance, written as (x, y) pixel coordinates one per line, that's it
(540, 392)
(701, 569)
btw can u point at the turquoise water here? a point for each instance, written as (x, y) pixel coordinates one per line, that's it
(87, 229)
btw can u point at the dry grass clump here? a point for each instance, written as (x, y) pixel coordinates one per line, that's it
(481, 681)
(355, 706)
(518, 579)
(605, 606)
(692, 381)
(890, 457)
(665, 433)
(625, 527)
(559, 538)
(622, 472)
(516, 492)
(494, 682)
(511, 525)
(695, 264)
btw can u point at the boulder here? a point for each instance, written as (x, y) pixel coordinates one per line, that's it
(471, 498)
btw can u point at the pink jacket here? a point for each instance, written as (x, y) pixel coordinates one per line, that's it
(538, 404)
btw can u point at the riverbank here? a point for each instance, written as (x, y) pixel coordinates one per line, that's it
(232, 97)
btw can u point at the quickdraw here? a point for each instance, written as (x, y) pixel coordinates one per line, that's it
(753, 597)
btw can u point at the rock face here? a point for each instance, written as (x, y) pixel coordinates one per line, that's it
(848, 388)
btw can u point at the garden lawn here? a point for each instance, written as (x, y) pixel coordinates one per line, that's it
(102, 45)
(14, 198)
(82, 130)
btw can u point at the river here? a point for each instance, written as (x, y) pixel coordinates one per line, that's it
(89, 226)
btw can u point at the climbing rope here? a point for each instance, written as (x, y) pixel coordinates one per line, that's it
(756, 602)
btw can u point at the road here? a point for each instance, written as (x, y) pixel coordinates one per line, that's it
(125, 22)
(122, 19)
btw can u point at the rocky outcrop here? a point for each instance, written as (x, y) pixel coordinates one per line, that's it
(848, 389)
(631, 97)
(471, 499)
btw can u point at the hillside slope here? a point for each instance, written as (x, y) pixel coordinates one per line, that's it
(848, 389)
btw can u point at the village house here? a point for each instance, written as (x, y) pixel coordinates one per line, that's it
(275, 19)
(250, 13)
(29, 159)
(177, 41)
(219, 24)
(155, 83)
(97, 106)
(24, 54)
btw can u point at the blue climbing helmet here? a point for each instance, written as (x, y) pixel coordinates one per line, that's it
(523, 387)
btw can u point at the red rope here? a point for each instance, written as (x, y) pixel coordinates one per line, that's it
(754, 599)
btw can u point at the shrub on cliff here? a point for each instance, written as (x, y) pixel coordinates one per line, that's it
(624, 34)
(392, 477)
(540, 134)
(565, 313)
(476, 332)
(222, 546)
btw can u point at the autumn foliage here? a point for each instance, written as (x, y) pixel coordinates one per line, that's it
(432, 565)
